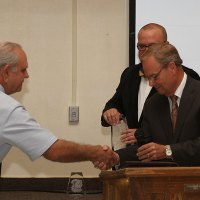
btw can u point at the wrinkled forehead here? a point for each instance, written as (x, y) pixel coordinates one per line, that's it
(150, 36)
(150, 63)
(22, 58)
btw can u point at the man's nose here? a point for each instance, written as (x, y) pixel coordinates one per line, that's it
(26, 75)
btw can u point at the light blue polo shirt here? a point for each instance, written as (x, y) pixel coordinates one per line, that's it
(19, 129)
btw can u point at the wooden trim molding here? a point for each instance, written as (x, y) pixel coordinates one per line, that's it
(92, 185)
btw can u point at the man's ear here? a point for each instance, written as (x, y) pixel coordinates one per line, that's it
(5, 72)
(172, 66)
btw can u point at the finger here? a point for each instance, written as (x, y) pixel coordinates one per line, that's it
(130, 141)
(117, 159)
(100, 166)
(105, 147)
(112, 120)
(142, 155)
(125, 133)
(96, 163)
(108, 117)
(148, 159)
(145, 157)
(123, 140)
(128, 135)
(123, 137)
(144, 148)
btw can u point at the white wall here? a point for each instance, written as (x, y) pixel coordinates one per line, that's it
(181, 20)
(56, 44)
(45, 28)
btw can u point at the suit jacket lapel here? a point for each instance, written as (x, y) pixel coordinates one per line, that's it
(185, 105)
(165, 118)
(136, 79)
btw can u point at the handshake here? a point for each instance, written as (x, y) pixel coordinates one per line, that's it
(104, 158)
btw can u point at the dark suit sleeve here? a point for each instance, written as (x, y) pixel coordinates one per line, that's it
(116, 100)
(128, 154)
(191, 73)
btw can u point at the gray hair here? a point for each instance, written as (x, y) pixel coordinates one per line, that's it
(8, 54)
(163, 53)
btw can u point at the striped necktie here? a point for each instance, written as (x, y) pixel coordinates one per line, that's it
(174, 110)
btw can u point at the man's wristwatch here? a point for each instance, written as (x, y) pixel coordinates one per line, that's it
(168, 152)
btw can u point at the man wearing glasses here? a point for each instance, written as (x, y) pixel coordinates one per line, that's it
(134, 88)
(177, 140)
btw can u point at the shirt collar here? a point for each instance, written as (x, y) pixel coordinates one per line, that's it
(180, 88)
(2, 89)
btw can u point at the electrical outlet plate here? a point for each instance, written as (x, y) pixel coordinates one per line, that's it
(73, 114)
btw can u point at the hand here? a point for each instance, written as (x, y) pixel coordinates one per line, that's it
(128, 136)
(101, 165)
(112, 116)
(151, 151)
(105, 158)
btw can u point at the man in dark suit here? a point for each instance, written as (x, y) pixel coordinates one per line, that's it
(162, 67)
(134, 89)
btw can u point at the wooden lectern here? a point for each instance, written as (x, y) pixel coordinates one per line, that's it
(152, 183)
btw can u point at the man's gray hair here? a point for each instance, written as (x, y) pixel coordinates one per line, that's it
(8, 54)
(164, 53)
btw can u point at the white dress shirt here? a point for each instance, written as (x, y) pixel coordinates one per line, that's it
(144, 91)
(179, 91)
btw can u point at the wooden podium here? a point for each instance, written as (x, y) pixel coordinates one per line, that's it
(152, 183)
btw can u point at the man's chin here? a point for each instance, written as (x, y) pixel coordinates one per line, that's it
(160, 91)
(19, 89)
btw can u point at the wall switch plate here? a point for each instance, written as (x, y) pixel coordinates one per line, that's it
(73, 113)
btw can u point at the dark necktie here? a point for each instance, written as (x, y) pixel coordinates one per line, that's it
(174, 111)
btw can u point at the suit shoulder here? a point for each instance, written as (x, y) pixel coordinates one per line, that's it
(132, 70)
(192, 83)
(191, 73)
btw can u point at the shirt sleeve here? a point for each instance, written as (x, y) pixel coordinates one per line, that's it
(22, 131)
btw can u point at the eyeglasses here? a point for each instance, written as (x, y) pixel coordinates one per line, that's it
(142, 47)
(155, 77)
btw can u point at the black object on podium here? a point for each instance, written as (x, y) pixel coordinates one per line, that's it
(128, 164)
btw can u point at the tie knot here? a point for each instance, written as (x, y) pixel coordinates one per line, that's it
(173, 98)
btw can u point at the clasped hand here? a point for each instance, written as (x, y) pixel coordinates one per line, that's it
(151, 151)
(106, 158)
(112, 117)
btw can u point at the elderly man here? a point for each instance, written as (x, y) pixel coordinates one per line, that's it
(18, 128)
